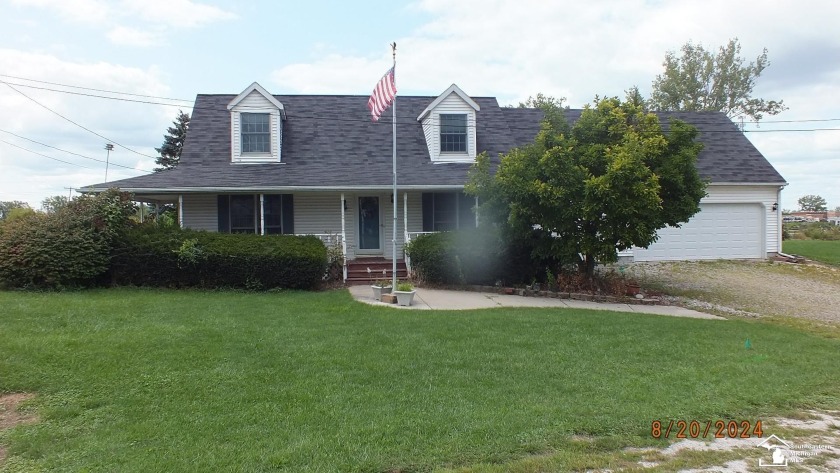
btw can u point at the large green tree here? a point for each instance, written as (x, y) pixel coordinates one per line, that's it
(586, 191)
(700, 80)
(54, 204)
(7, 206)
(812, 203)
(173, 143)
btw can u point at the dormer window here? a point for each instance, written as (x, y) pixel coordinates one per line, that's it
(453, 133)
(449, 124)
(256, 133)
(256, 127)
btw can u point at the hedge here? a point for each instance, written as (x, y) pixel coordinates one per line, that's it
(67, 248)
(150, 255)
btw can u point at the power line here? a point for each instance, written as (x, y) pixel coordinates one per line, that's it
(44, 155)
(401, 120)
(120, 99)
(193, 101)
(77, 124)
(70, 152)
(93, 89)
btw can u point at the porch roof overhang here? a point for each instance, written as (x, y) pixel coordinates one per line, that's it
(173, 192)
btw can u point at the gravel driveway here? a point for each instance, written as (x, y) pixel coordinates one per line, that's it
(748, 288)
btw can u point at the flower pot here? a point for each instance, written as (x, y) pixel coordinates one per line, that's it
(404, 298)
(379, 290)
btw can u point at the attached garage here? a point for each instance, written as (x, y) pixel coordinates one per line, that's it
(718, 231)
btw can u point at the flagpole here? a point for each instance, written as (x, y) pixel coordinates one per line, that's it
(394, 199)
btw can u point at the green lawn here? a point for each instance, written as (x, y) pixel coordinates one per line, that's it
(143, 380)
(825, 251)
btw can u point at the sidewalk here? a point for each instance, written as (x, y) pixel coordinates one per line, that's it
(439, 299)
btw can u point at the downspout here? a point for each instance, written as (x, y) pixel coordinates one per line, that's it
(779, 220)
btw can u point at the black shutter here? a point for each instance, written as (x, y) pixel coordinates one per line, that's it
(223, 206)
(428, 212)
(288, 214)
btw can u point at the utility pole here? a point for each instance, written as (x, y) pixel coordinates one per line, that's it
(70, 193)
(109, 147)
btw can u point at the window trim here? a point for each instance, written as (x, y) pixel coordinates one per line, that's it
(284, 207)
(243, 133)
(442, 117)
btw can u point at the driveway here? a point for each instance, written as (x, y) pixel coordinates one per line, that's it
(747, 288)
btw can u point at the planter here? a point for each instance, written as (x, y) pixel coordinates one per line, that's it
(404, 298)
(379, 290)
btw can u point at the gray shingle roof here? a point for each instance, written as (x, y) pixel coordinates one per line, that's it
(330, 141)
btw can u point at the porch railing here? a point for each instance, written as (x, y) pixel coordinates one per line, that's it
(408, 237)
(333, 240)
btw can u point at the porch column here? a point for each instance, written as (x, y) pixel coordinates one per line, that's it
(157, 214)
(141, 211)
(405, 220)
(476, 211)
(343, 203)
(262, 214)
(181, 210)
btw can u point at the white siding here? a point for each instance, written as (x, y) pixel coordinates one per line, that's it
(431, 128)
(200, 212)
(255, 102)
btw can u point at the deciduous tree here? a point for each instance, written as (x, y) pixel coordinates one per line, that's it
(605, 184)
(54, 203)
(6, 206)
(699, 80)
(812, 203)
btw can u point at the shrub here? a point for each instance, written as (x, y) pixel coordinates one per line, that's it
(822, 231)
(66, 248)
(151, 255)
(471, 257)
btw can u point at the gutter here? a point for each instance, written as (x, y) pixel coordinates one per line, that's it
(223, 190)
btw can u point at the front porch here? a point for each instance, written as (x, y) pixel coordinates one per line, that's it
(361, 223)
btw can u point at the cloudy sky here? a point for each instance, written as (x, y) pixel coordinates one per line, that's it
(60, 58)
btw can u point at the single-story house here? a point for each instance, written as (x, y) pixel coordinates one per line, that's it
(317, 164)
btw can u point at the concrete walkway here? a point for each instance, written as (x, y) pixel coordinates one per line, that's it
(439, 299)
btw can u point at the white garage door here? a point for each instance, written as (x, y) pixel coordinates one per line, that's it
(717, 231)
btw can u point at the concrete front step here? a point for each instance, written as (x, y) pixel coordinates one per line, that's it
(380, 268)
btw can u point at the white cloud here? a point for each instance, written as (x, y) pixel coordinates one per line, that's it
(126, 36)
(180, 13)
(88, 11)
(140, 23)
(139, 127)
(511, 50)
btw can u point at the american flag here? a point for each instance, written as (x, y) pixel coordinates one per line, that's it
(383, 95)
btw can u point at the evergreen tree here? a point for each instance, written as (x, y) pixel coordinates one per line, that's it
(173, 143)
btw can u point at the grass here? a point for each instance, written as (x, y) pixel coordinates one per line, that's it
(141, 380)
(824, 251)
